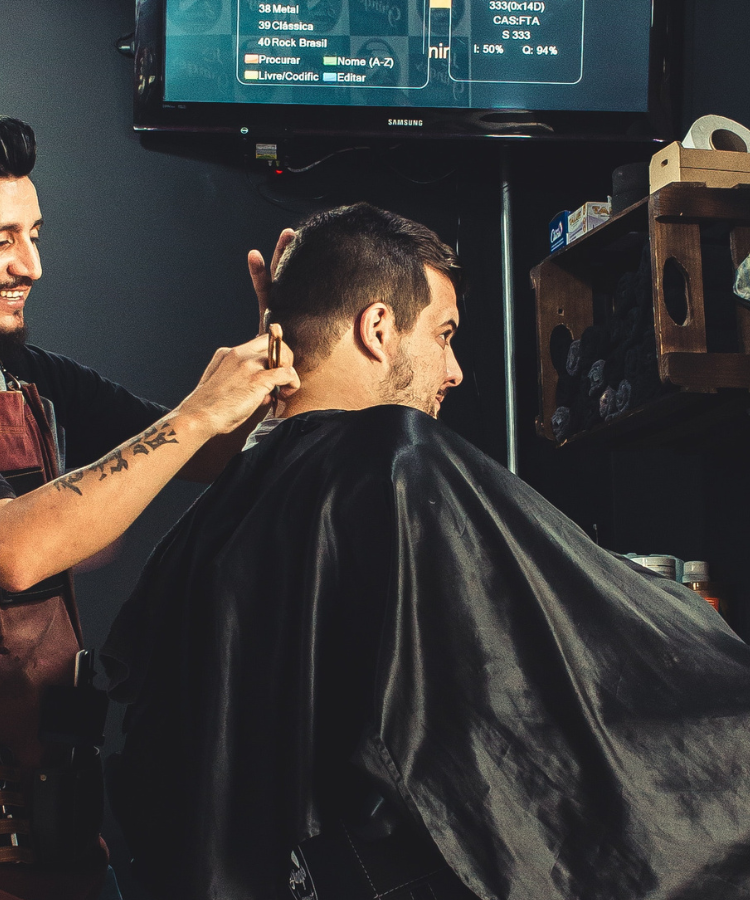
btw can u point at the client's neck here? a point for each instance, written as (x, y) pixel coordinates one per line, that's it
(345, 380)
(318, 391)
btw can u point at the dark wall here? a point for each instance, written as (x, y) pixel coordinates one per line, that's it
(718, 66)
(144, 254)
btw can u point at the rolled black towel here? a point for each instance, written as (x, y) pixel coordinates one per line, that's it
(608, 404)
(561, 423)
(573, 362)
(636, 323)
(630, 369)
(623, 396)
(596, 378)
(617, 330)
(595, 344)
(625, 294)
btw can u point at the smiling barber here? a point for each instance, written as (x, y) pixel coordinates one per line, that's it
(56, 413)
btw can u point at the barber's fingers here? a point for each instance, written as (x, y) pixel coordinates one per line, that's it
(240, 368)
(285, 378)
(233, 388)
(261, 282)
(262, 276)
(254, 351)
(258, 347)
(285, 239)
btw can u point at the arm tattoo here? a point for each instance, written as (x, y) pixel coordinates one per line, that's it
(122, 463)
(158, 437)
(69, 482)
(151, 439)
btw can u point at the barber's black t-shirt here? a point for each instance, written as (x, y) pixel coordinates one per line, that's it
(94, 415)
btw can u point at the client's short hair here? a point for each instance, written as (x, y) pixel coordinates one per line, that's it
(17, 148)
(343, 260)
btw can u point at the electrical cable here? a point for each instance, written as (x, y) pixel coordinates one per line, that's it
(317, 162)
(284, 204)
(380, 157)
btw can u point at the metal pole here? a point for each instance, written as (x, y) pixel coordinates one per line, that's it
(509, 341)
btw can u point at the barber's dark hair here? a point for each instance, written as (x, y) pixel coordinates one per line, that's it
(17, 148)
(343, 260)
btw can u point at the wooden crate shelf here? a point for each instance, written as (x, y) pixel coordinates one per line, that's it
(672, 218)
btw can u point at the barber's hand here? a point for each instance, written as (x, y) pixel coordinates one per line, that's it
(261, 276)
(237, 384)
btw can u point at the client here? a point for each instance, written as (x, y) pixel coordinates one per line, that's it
(370, 646)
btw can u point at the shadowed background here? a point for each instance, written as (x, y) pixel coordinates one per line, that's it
(144, 254)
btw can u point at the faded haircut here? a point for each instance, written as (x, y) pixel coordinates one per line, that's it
(345, 259)
(17, 148)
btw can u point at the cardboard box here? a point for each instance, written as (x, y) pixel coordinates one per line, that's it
(714, 168)
(587, 217)
(558, 231)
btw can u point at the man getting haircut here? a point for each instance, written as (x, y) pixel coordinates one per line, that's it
(358, 253)
(371, 663)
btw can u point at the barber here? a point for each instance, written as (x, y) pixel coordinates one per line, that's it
(52, 518)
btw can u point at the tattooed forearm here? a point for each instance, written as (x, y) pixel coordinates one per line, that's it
(69, 482)
(116, 461)
(155, 438)
(122, 463)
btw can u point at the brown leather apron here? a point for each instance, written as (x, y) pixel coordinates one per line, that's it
(40, 634)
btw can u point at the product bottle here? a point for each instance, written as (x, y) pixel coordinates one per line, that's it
(695, 576)
(664, 565)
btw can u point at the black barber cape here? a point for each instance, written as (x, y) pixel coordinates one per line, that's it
(366, 589)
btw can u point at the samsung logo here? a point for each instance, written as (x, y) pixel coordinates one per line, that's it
(414, 123)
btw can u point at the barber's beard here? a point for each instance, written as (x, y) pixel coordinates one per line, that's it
(10, 341)
(13, 338)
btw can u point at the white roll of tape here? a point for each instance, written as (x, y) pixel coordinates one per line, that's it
(718, 133)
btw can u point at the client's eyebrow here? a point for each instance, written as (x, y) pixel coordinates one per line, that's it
(452, 322)
(15, 228)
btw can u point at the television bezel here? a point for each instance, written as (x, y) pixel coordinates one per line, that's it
(278, 121)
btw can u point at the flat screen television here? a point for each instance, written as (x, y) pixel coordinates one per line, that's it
(429, 68)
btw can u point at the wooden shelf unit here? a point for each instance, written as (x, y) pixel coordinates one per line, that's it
(672, 218)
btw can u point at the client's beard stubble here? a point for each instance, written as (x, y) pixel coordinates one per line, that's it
(397, 387)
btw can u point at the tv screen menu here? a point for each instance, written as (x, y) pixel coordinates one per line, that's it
(577, 55)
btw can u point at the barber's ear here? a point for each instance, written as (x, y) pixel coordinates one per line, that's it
(377, 330)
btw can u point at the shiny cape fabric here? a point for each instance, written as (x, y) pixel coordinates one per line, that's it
(367, 588)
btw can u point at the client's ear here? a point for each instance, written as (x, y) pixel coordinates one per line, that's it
(377, 331)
